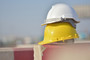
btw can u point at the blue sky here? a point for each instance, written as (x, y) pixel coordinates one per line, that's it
(24, 17)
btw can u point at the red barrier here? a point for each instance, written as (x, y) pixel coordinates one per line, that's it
(23, 54)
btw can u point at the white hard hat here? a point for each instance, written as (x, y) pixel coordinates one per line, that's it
(60, 12)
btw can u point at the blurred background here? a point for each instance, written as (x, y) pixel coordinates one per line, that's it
(20, 20)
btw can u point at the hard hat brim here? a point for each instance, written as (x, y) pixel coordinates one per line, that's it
(44, 42)
(55, 22)
(74, 20)
(46, 23)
